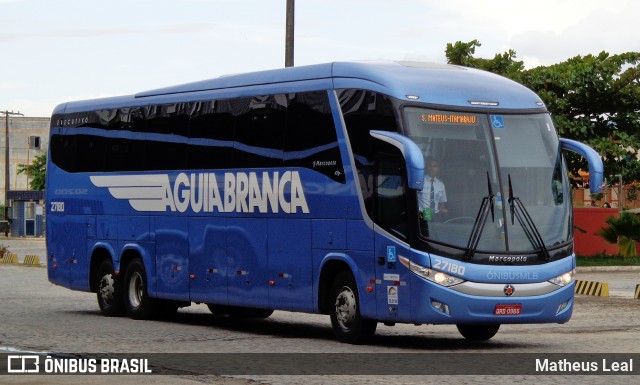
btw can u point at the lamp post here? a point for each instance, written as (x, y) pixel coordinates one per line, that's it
(288, 49)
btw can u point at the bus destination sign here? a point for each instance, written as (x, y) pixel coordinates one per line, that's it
(449, 118)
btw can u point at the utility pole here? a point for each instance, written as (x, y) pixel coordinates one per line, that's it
(7, 182)
(288, 49)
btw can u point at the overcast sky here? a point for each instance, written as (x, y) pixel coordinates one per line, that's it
(52, 51)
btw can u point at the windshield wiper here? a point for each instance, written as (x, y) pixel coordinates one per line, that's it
(478, 226)
(519, 212)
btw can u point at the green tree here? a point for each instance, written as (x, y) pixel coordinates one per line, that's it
(36, 170)
(503, 64)
(625, 231)
(593, 99)
(596, 100)
(462, 53)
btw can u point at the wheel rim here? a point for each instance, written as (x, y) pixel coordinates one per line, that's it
(345, 307)
(107, 288)
(136, 289)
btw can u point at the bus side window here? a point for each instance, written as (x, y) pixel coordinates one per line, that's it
(90, 155)
(211, 134)
(310, 138)
(125, 153)
(260, 131)
(63, 151)
(166, 144)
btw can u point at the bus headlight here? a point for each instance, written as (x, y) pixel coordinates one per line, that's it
(564, 279)
(434, 276)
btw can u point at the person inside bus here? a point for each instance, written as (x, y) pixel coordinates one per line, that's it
(433, 197)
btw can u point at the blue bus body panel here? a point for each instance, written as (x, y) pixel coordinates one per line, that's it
(208, 260)
(431, 83)
(261, 78)
(172, 257)
(225, 93)
(247, 260)
(437, 84)
(474, 309)
(290, 264)
(393, 292)
(507, 274)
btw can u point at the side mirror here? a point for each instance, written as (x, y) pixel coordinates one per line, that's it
(414, 160)
(596, 169)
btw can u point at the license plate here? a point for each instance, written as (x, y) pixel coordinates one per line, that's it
(515, 309)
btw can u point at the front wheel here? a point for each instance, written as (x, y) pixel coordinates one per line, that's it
(348, 325)
(478, 332)
(109, 292)
(137, 302)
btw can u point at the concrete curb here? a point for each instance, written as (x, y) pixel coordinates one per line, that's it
(588, 269)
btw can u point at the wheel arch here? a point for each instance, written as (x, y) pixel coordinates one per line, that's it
(100, 253)
(331, 266)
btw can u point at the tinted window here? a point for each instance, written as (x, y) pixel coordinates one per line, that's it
(211, 131)
(125, 145)
(364, 111)
(310, 140)
(166, 139)
(90, 153)
(63, 151)
(260, 131)
(292, 130)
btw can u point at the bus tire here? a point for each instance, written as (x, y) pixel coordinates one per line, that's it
(348, 325)
(137, 302)
(109, 292)
(478, 332)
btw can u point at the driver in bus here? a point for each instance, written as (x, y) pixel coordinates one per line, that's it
(433, 197)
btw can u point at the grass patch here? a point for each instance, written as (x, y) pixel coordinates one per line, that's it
(606, 260)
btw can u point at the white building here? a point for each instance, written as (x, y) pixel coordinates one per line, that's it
(28, 138)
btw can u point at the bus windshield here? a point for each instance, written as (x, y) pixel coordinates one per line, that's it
(509, 166)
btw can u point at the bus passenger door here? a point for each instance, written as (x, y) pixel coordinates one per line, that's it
(172, 251)
(391, 218)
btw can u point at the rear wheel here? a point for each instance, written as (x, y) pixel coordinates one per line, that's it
(478, 332)
(137, 302)
(109, 293)
(348, 325)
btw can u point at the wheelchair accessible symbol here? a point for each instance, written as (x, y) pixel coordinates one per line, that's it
(497, 122)
(391, 254)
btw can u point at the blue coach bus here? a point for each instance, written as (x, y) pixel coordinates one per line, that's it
(390, 192)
